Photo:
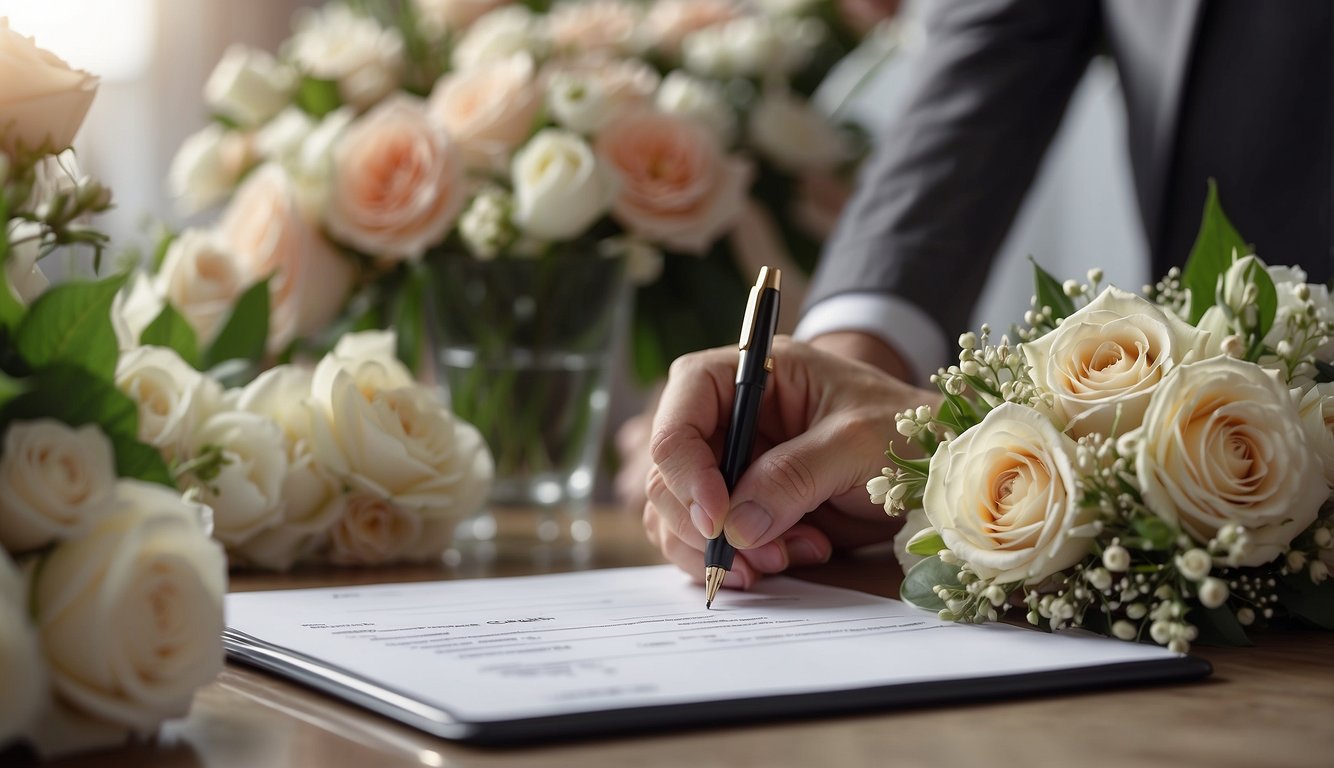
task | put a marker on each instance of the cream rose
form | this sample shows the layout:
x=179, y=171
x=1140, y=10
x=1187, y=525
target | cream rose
x=795, y=136
x=1102, y=364
x=489, y=110
x=42, y=99
x=208, y=165
x=1317, y=413
x=24, y=693
x=605, y=26
x=373, y=531
x=499, y=35
x=439, y=16
x=202, y=281
x=172, y=397
x=398, y=182
x=670, y=21
x=382, y=433
x=336, y=43
x=751, y=46
x=312, y=497
x=676, y=187
x=585, y=93
x=25, y=277
x=249, y=86
x=130, y=615
x=1004, y=497
x=560, y=188
x=244, y=487
x=55, y=481
x=135, y=305
x=698, y=99
x=267, y=232
x=1222, y=443
x=283, y=137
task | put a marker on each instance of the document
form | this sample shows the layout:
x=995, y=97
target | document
x=546, y=656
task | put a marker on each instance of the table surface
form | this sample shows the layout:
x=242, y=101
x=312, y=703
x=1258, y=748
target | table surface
x=1269, y=705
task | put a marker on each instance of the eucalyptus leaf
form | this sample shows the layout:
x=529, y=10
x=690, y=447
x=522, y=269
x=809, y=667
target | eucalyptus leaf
x=1211, y=255
x=70, y=324
x=1312, y=602
x=1218, y=626
x=918, y=588
x=245, y=333
x=1050, y=292
x=171, y=329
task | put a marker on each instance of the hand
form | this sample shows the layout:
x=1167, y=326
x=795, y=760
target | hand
x=824, y=425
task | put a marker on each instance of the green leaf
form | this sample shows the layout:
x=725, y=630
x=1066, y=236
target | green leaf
x=170, y=329
x=915, y=466
x=1266, y=300
x=140, y=461
x=1211, y=255
x=1313, y=602
x=926, y=542
x=1050, y=293
x=918, y=588
x=1157, y=533
x=10, y=308
x=318, y=97
x=11, y=388
x=409, y=319
x=246, y=331
x=71, y=324
x=1218, y=626
x=76, y=397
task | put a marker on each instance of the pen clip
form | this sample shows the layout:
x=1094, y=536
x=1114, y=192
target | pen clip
x=768, y=279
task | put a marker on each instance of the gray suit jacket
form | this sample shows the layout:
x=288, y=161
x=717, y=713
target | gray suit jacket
x=1235, y=89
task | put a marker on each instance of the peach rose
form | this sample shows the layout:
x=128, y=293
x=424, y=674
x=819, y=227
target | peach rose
x=202, y=281
x=677, y=187
x=596, y=25
x=269, y=235
x=670, y=21
x=398, y=182
x=488, y=110
x=440, y=16
x=42, y=99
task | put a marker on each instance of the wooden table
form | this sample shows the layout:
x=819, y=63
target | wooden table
x=1271, y=705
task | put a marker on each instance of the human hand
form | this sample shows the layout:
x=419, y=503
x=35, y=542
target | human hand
x=823, y=427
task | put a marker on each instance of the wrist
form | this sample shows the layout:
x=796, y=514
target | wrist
x=866, y=348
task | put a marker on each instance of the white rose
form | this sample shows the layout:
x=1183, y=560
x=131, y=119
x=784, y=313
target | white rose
x=135, y=305
x=440, y=16
x=42, y=99
x=576, y=101
x=130, y=614
x=373, y=531
x=751, y=46
x=202, y=281
x=1317, y=413
x=560, y=188
x=703, y=101
x=24, y=693
x=173, y=398
x=311, y=166
x=248, y=86
x=55, y=481
x=25, y=277
x=382, y=433
x=245, y=488
x=1215, y=323
x=312, y=497
x=501, y=34
x=489, y=109
x=1004, y=497
x=1222, y=443
x=795, y=136
x=208, y=166
x=282, y=137
x=1235, y=280
x=339, y=44
x=1102, y=364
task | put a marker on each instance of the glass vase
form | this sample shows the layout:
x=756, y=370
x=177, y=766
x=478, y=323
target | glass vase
x=525, y=347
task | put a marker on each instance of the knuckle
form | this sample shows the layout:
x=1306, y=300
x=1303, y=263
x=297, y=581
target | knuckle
x=664, y=443
x=791, y=475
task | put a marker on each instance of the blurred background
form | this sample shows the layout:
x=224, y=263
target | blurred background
x=154, y=55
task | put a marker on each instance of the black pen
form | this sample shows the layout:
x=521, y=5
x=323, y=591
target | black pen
x=757, y=340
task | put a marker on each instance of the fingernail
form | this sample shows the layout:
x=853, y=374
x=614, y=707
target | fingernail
x=701, y=520
x=804, y=552
x=747, y=523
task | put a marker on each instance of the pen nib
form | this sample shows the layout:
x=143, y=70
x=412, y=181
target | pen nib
x=713, y=580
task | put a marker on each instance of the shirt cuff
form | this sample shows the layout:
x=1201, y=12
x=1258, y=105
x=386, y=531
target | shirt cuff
x=910, y=331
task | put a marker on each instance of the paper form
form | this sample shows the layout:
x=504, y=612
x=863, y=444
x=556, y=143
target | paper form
x=498, y=649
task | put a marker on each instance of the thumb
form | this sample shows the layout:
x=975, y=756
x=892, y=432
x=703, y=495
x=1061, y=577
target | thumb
x=786, y=482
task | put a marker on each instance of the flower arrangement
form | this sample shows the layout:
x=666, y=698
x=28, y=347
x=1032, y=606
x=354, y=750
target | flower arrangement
x=1151, y=467
x=386, y=137
x=128, y=477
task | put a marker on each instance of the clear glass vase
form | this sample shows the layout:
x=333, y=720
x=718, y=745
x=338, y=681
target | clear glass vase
x=525, y=347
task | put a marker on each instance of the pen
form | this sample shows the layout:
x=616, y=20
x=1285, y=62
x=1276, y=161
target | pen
x=757, y=339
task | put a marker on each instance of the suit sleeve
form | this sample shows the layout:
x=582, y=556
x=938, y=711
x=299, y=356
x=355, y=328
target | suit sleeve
x=948, y=175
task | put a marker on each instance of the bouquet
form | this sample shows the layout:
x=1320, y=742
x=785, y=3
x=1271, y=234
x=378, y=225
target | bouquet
x=1153, y=466
x=386, y=138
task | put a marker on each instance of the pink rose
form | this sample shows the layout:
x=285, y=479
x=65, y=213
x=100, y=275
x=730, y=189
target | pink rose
x=677, y=187
x=670, y=21
x=42, y=99
x=398, y=182
x=489, y=110
x=595, y=25
x=270, y=236
x=453, y=15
